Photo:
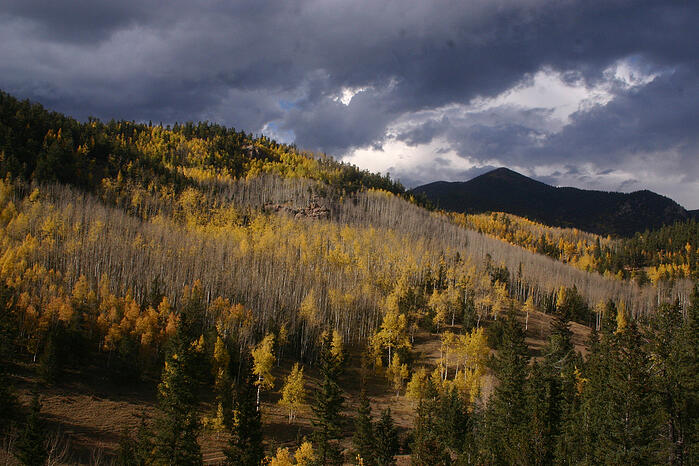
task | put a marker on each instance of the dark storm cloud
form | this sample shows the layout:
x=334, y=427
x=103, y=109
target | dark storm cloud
x=256, y=63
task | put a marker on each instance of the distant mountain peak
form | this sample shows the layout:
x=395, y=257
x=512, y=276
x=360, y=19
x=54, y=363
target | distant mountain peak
x=505, y=190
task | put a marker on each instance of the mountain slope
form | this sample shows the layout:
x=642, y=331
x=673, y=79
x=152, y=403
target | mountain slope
x=503, y=190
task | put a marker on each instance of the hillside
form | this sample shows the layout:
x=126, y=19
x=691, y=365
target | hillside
x=605, y=213
x=178, y=275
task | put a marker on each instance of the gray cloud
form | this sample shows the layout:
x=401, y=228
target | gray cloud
x=253, y=63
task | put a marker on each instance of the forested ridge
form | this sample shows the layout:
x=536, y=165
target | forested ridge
x=664, y=254
x=213, y=261
x=601, y=212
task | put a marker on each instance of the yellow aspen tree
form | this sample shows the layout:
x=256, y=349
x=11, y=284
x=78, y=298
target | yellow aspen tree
x=599, y=313
x=397, y=374
x=263, y=360
x=305, y=455
x=392, y=335
x=621, y=318
x=449, y=341
x=282, y=340
x=477, y=353
x=417, y=387
x=282, y=458
x=502, y=300
x=561, y=298
x=337, y=347
x=439, y=304
x=221, y=361
x=529, y=306
x=293, y=393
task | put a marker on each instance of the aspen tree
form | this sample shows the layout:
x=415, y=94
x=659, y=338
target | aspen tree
x=282, y=458
x=293, y=392
x=393, y=335
x=417, y=387
x=263, y=357
x=305, y=455
x=528, y=307
x=397, y=374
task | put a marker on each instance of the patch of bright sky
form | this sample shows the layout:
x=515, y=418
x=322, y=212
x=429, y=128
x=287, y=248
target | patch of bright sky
x=272, y=131
x=347, y=94
x=546, y=89
x=396, y=157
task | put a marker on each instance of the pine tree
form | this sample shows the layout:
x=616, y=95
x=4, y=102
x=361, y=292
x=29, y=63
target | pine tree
x=690, y=351
x=9, y=326
x=630, y=414
x=328, y=405
x=364, y=439
x=551, y=391
x=136, y=451
x=30, y=447
x=452, y=419
x=505, y=434
x=177, y=426
x=386, y=440
x=245, y=445
x=427, y=449
x=674, y=356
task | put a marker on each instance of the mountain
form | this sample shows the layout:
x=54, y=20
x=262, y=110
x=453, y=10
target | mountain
x=504, y=190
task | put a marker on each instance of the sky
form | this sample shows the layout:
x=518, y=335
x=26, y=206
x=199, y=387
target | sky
x=596, y=94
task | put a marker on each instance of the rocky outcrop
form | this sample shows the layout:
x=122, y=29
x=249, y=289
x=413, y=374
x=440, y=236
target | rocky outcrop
x=314, y=210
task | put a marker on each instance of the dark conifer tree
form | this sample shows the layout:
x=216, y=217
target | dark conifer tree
x=177, y=426
x=328, y=405
x=674, y=347
x=363, y=439
x=386, y=443
x=551, y=390
x=690, y=351
x=136, y=451
x=427, y=448
x=504, y=431
x=452, y=423
x=630, y=409
x=9, y=327
x=245, y=445
x=31, y=444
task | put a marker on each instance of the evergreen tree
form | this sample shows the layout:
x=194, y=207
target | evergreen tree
x=452, y=423
x=551, y=391
x=245, y=445
x=670, y=377
x=364, y=439
x=328, y=405
x=136, y=451
x=630, y=413
x=30, y=447
x=9, y=327
x=690, y=359
x=177, y=426
x=427, y=449
x=505, y=423
x=386, y=440
x=49, y=364
x=674, y=352
x=582, y=424
x=617, y=419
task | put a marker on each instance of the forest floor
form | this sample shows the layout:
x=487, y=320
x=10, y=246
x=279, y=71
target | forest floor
x=91, y=414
